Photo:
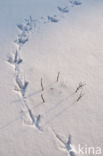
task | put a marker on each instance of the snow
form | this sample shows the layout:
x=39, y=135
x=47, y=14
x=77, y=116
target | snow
x=41, y=116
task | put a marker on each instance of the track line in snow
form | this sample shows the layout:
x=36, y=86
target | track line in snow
x=22, y=38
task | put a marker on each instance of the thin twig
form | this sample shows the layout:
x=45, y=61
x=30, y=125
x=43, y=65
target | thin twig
x=58, y=76
x=79, y=87
x=42, y=98
x=80, y=96
x=42, y=84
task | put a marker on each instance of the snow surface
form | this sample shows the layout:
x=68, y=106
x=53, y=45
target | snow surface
x=51, y=74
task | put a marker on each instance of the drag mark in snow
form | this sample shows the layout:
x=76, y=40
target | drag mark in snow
x=31, y=116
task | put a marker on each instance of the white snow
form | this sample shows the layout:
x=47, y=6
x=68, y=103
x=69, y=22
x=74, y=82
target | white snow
x=38, y=40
